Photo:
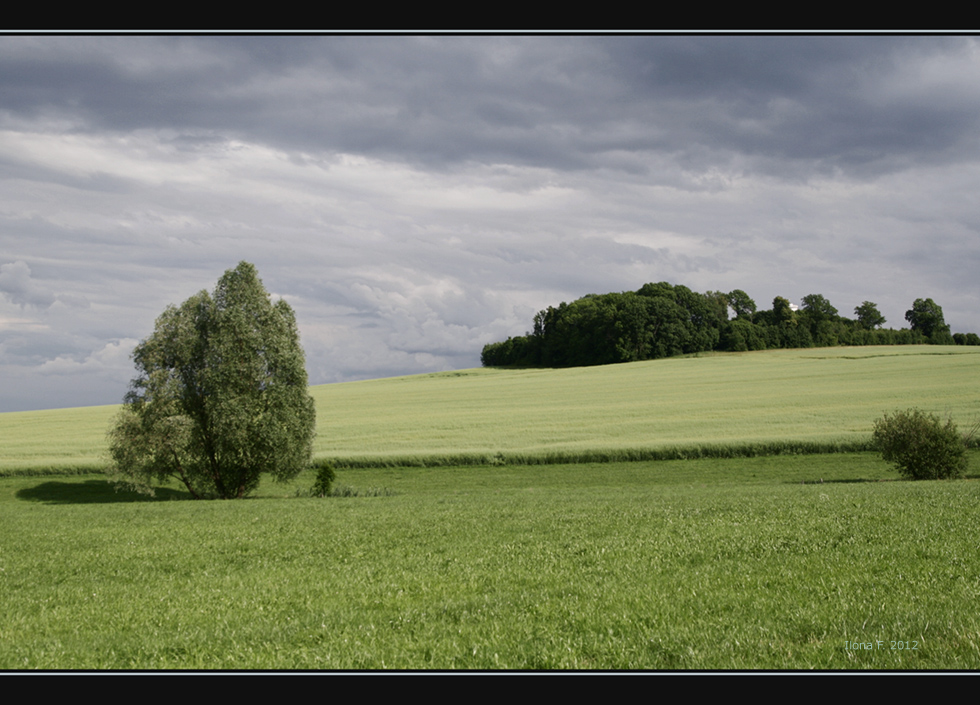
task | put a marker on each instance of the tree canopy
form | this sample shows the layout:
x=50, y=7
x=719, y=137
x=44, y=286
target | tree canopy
x=220, y=395
x=741, y=303
x=926, y=316
x=661, y=320
x=869, y=316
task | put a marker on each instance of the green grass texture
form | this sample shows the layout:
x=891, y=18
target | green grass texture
x=788, y=562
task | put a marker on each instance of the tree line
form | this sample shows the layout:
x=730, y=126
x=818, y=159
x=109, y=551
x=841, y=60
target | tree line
x=662, y=320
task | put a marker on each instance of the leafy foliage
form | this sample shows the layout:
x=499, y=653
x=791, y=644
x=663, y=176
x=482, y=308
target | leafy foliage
x=816, y=306
x=966, y=338
x=741, y=303
x=220, y=396
x=325, y=476
x=920, y=445
x=663, y=320
x=926, y=316
x=868, y=316
x=659, y=320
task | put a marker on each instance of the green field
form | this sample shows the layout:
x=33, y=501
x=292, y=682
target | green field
x=722, y=564
x=786, y=561
x=824, y=397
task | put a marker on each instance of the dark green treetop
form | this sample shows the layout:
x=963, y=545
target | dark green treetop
x=926, y=316
x=869, y=316
x=817, y=307
x=741, y=303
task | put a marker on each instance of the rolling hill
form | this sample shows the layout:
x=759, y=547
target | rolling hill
x=816, y=398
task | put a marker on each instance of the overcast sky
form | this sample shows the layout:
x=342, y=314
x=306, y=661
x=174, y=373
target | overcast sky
x=414, y=198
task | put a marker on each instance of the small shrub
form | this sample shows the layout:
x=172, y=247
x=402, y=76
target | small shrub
x=920, y=445
x=325, y=476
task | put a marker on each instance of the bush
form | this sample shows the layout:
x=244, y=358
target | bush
x=325, y=476
x=920, y=445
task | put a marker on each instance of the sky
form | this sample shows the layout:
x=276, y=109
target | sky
x=414, y=198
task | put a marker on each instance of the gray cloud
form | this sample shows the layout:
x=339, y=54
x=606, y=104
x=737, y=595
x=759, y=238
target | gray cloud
x=416, y=197
x=868, y=103
x=16, y=283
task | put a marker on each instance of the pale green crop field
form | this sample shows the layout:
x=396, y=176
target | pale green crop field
x=818, y=395
x=822, y=396
x=56, y=439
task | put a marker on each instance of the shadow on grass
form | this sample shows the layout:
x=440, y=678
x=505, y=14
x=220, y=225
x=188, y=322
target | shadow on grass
x=965, y=476
x=840, y=481
x=91, y=492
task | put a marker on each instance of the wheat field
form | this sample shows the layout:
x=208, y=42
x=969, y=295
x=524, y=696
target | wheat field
x=825, y=397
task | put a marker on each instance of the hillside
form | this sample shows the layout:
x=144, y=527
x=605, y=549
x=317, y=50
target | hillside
x=821, y=396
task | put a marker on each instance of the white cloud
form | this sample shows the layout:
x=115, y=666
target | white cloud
x=112, y=360
x=13, y=324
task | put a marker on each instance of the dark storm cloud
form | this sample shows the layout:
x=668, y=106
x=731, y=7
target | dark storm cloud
x=560, y=102
x=845, y=102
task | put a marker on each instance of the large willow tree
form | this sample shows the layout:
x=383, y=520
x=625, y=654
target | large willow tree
x=220, y=396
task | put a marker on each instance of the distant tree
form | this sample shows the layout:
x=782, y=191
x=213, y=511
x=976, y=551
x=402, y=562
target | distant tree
x=926, y=317
x=868, y=316
x=703, y=319
x=680, y=320
x=966, y=339
x=633, y=333
x=517, y=351
x=740, y=334
x=741, y=304
x=669, y=327
x=663, y=289
x=220, y=396
x=821, y=320
x=718, y=302
x=782, y=312
x=817, y=307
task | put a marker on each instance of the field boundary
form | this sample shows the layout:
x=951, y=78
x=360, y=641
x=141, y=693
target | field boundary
x=53, y=470
x=500, y=458
x=611, y=455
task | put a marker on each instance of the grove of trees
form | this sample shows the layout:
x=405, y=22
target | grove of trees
x=661, y=320
x=220, y=395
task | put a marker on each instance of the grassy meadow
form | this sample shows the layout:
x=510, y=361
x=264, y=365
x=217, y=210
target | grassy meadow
x=787, y=561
